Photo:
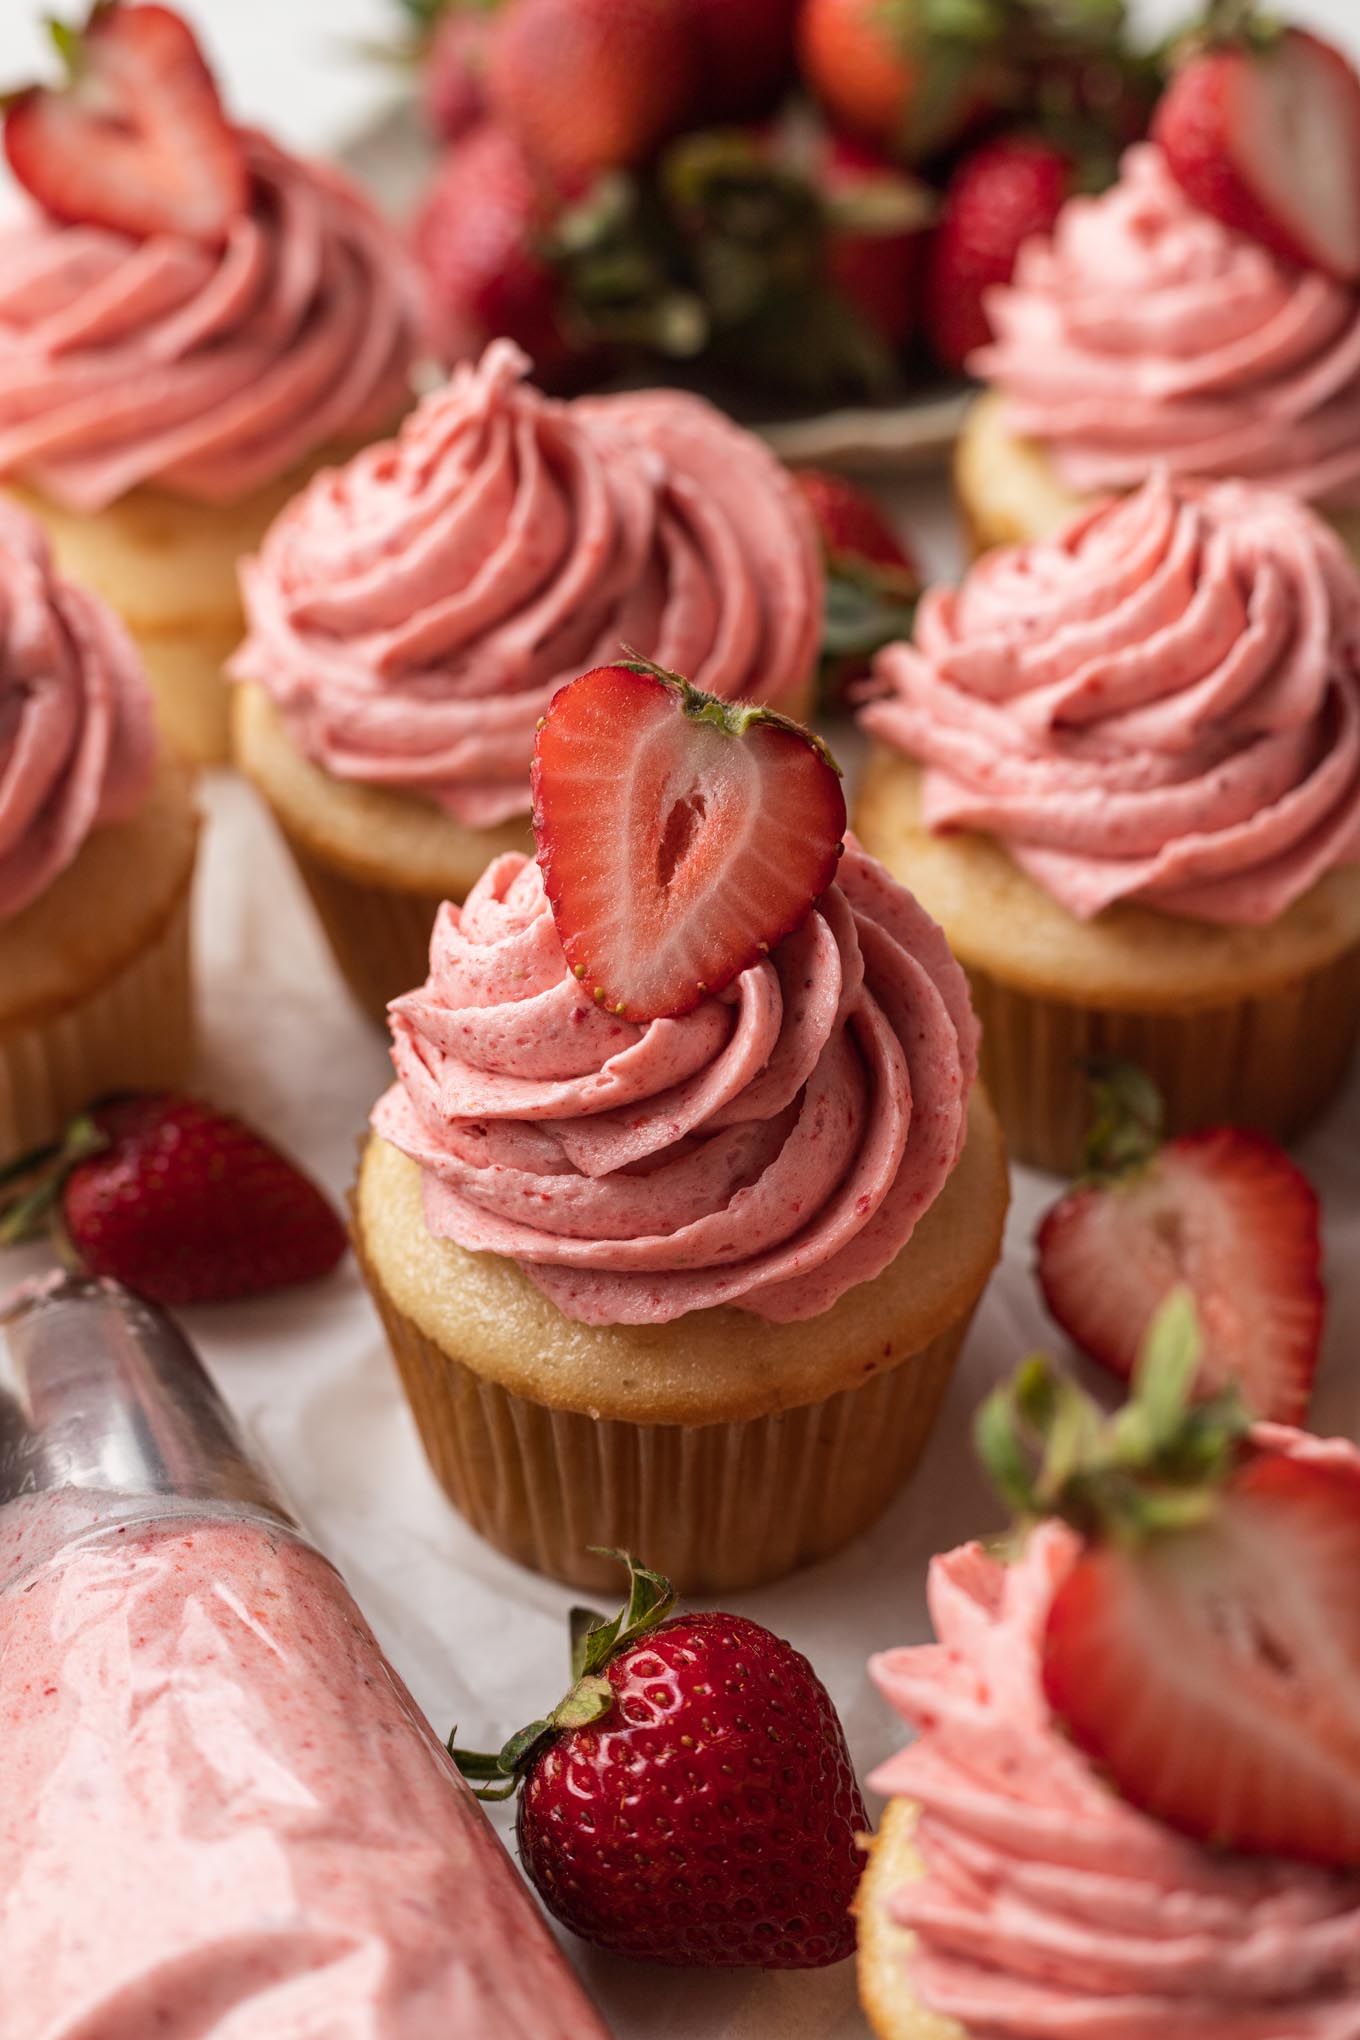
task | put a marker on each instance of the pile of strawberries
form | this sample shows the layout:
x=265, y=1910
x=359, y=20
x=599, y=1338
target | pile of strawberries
x=811, y=195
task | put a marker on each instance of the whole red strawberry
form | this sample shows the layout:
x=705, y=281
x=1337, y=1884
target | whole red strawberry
x=872, y=582
x=745, y=57
x=590, y=85
x=680, y=836
x=897, y=73
x=692, y=1799
x=1202, y=1647
x=180, y=1201
x=877, y=218
x=478, y=238
x=1226, y=1213
x=1263, y=131
x=135, y=139
x=998, y=197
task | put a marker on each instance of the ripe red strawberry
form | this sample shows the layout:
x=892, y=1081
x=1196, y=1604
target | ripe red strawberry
x=1204, y=1648
x=997, y=198
x=877, y=242
x=478, y=239
x=1267, y=139
x=894, y=73
x=872, y=582
x=136, y=138
x=591, y=85
x=692, y=1800
x=1226, y=1213
x=453, y=81
x=745, y=57
x=680, y=836
x=182, y=1202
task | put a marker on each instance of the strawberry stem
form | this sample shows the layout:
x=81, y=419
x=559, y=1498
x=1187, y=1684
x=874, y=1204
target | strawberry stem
x=733, y=718
x=36, y=1181
x=1156, y=1465
x=1126, y=1129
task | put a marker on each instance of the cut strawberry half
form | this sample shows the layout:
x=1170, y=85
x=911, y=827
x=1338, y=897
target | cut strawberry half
x=1203, y=1646
x=136, y=138
x=1267, y=139
x=680, y=836
x=1226, y=1213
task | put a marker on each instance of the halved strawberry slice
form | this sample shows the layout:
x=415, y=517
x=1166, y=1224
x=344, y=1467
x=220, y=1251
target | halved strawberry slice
x=136, y=138
x=1203, y=1649
x=680, y=836
x=1226, y=1212
x=1265, y=136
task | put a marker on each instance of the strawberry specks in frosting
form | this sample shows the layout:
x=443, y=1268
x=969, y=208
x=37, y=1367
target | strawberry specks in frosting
x=1143, y=330
x=1050, y=1909
x=77, y=741
x=414, y=614
x=770, y=1149
x=209, y=372
x=1162, y=704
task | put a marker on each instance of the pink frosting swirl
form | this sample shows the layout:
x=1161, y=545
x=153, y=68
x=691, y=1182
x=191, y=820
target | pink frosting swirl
x=1050, y=1908
x=77, y=740
x=414, y=614
x=1144, y=331
x=1162, y=704
x=208, y=372
x=770, y=1149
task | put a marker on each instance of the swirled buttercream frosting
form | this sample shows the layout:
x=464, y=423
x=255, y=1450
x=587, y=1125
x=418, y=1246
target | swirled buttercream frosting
x=1162, y=704
x=1143, y=330
x=77, y=742
x=208, y=371
x=413, y=613
x=769, y=1150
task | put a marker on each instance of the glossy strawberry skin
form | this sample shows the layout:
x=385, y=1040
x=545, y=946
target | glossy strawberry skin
x=850, y=521
x=710, y=1818
x=1213, y=1673
x=453, y=83
x=137, y=140
x=870, y=63
x=591, y=85
x=189, y=1205
x=999, y=197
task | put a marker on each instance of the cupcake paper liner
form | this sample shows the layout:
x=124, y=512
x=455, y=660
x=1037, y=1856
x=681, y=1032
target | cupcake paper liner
x=134, y=1031
x=1272, y=1060
x=379, y=935
x=715, y=1507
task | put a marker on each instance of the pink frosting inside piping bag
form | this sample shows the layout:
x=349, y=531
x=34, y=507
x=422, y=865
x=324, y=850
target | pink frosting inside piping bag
x=206, y=372
x=1162, y=704
x=770, y=1149
x=77, y=740
x=1142, y=330
x=414, y=613
x=1050, y=1908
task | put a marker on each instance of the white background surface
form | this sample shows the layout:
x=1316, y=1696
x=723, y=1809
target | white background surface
x=482, y=1643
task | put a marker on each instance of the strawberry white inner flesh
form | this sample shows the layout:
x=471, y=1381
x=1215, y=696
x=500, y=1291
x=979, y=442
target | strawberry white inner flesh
x=1297, y=127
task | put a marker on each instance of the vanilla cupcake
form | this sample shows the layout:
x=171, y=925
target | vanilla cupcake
x=1012, y=1894
x=97, y=839
x=1145, y=333
x=693, y=1287
x=161, y=397
x=1122, y=769
x=412, y=616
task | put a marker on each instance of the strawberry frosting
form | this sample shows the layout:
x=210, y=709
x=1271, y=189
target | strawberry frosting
x=769, y=1150
x=1143, y=330
x=1162, y=704
x=1050, y=1909
x=206, y=371
x=414, y=613
x=77, y=740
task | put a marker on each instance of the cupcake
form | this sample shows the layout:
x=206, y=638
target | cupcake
x=412, y=616
x=691, y=1286
x=177, y=353
x=97, y=838
x=1122, y=769
x=1204, y=1879
x=1145, y=333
